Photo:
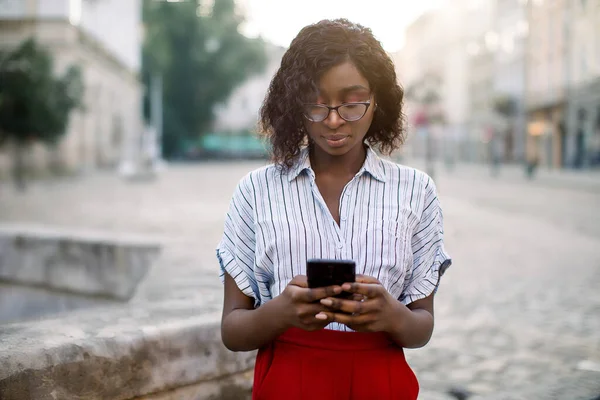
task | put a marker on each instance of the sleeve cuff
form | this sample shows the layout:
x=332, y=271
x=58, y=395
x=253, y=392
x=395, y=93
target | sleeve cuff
x=428, y=283
x=228, y=264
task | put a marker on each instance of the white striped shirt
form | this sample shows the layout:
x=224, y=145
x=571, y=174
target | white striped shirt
x=391, y=225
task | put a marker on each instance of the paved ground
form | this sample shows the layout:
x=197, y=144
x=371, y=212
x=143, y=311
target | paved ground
x=517, y=315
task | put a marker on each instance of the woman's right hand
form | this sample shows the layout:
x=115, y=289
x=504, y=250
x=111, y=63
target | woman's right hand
x=301, y=304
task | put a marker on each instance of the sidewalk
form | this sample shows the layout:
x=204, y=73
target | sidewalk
x=587, y=180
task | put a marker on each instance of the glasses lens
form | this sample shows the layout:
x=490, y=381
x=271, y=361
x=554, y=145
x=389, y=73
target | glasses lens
x=316, y=113
x=352, y=112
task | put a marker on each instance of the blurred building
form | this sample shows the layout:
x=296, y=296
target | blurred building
x=240, y=113
x=104, y=38
x=455, y=77
x=583, y=119
x=508, y=40
x=481, y=45
x=547, y=80
x=455, y=45
x=420, y=63
x=542, y=57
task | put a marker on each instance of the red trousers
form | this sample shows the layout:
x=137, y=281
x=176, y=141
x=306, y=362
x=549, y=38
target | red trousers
x=333, y=365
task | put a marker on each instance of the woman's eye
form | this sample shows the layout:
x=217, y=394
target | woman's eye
x=354, y=100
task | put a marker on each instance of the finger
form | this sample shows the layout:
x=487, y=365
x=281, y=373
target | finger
x=366, y=289
x=300, y=280
x=316, y=294
x=322, y=316
x=348, y=319
x=348, y=306
x=311, y=309
x=314, y=315
x=367, y=279
x=357, y=297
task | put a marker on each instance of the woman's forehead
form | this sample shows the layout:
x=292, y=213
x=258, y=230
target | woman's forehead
x=342, y=79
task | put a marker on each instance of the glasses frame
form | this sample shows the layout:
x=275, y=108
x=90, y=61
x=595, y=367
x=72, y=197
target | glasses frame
x=329, y=109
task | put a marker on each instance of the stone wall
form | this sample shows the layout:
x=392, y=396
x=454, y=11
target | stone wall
x=80, y=262
x=103, y=347
x=153, y=351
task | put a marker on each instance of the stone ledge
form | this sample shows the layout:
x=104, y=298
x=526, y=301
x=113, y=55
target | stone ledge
x=81, y=235
x=236, y=387
x=116, y=354
x=85, y=262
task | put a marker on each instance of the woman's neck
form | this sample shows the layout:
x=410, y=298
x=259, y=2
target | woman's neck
x=344, y=165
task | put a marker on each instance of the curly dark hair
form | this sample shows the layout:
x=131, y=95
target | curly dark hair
x=316, y=49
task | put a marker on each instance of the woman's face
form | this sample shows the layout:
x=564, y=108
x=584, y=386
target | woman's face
x=340, y=85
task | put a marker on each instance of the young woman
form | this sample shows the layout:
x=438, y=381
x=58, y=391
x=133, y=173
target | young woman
x=328, y=195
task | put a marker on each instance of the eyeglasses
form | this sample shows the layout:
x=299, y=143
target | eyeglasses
x=348, y=111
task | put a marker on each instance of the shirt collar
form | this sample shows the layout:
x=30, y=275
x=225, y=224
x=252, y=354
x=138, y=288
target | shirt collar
x=372, y=165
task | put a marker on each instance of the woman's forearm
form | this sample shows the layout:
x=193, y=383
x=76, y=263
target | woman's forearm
x=413, y=328
x=246, y=330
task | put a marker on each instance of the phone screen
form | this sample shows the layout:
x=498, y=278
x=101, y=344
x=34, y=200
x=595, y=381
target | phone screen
x=322, y=272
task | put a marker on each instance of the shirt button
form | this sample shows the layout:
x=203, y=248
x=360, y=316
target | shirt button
x=343, y=218
x=340, y=246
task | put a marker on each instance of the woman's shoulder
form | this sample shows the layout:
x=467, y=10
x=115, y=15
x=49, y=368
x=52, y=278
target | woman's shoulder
x=260, y=175
x=405, y=175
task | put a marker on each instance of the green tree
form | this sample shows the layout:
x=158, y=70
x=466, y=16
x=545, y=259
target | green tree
x=35, y=105
x=201, y=56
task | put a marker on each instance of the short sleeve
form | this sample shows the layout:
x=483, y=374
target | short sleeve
x=430, y=259
x=236, y=250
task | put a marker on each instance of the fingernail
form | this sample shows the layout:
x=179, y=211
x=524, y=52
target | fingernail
x=337, y=290
x=321, y=316
x=346, y=286
x=327, y=302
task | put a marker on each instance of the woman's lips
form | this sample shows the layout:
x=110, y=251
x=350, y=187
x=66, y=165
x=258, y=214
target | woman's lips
x=336, y=140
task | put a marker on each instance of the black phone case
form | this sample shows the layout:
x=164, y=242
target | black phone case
x=321, y=273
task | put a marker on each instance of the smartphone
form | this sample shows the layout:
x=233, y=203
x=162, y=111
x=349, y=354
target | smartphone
x=323, y=272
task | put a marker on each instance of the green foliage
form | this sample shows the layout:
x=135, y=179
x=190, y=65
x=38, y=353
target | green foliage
x=34, y=104
x=202, y=57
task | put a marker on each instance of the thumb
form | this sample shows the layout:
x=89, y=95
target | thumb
x=299, y=280
x=367, y=279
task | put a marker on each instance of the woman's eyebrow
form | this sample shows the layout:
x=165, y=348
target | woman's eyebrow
x=353, y=88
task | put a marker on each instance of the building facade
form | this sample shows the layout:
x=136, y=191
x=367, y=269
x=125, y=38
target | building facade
x=455, y=102
x=583, y=115
x=481, y=46
x=421, y=63
x=457, y=44
x=511, y=30
x=104, y=38
x=547, y=81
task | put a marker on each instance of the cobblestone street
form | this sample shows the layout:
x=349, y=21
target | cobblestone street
x=517, y=315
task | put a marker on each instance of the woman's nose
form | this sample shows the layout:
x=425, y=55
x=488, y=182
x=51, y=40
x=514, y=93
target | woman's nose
x=334, y=120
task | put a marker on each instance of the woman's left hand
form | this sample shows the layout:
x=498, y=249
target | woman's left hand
x=377, y=312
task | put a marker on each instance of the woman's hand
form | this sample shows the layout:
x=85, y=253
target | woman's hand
x=300, y=305
x=372, y=308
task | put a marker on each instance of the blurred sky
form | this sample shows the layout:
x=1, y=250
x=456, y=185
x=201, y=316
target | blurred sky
x=278, y=21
